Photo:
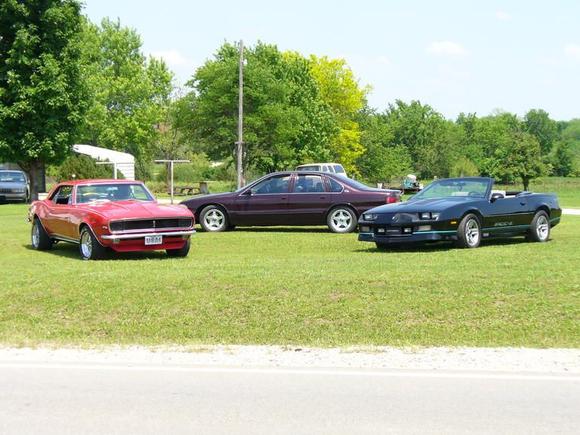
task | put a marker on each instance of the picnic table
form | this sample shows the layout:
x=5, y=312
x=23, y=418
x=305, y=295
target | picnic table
x=200, y=187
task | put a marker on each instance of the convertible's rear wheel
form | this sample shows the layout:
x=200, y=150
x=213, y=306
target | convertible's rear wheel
x=469, y=232
x=213, y=219
x=341, y=220
x=89, y=246
x=39, y=238
x=540, y=227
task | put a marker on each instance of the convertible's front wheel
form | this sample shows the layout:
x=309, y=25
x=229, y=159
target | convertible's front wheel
x=469, y=232
x=540, y=227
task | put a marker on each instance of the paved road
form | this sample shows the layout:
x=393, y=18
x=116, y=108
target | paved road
x=90, y=398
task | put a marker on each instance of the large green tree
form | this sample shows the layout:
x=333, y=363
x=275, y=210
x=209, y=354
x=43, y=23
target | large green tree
x=285, y=120
x=42, y=96
x=340, y=90
x=538, y=123
x=130, y=93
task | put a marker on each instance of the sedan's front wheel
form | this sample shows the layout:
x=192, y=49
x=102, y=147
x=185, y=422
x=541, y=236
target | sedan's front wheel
x=341, y=220
x=469, y=232
x=213, y=219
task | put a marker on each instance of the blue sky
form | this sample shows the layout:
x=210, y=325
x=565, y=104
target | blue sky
x=457, y=56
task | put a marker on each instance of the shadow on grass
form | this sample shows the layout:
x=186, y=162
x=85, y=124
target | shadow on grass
x=69, y=250
x=282, y=230
x=442, y=246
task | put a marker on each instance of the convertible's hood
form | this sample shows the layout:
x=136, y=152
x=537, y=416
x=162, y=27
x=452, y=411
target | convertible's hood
x=136, y=210
x=422, y=205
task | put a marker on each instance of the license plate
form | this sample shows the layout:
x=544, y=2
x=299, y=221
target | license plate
x=153, y=240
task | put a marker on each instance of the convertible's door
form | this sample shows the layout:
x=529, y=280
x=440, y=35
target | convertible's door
x=508, y=215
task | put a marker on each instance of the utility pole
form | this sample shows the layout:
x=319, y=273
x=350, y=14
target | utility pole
x=240, y=142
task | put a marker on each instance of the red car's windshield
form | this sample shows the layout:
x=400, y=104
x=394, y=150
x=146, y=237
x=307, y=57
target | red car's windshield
x=113, y=192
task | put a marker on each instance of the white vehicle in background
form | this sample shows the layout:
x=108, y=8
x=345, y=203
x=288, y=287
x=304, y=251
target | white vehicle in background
x=333, y=168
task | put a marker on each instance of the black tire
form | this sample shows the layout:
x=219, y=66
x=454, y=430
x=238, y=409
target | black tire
x=469, y=232
x=341, y=219
x=540, y=228
x=89, y=246
x=181, y=252
x=213, y=219
x=39, y=237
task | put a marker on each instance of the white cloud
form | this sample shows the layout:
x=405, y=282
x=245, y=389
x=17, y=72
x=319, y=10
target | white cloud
x=503, y=15
x=172, y=57
x=572, y=50
x=446, y=48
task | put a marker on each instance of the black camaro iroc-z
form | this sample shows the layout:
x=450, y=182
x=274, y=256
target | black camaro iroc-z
x=463, y=210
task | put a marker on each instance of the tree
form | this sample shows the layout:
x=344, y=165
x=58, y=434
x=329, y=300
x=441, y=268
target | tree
x=340, y=91
x=538, y=123
x=130, y=93
x=42, y=97
x=382, y=160
x=520, y=158
x=285, y=121
x=424, y=132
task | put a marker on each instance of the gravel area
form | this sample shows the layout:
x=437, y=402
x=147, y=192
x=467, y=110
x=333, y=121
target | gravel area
x=440, y=358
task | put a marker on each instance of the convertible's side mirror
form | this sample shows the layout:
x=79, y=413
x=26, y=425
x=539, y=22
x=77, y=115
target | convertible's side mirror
x=495, y=197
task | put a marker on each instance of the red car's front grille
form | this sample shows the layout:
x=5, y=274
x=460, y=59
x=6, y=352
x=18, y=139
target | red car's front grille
x=150, y=224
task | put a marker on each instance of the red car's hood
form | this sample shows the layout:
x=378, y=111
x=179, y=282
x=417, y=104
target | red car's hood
x=136, y=210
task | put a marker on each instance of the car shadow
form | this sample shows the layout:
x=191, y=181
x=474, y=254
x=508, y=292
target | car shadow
x=443, y=246
x=68, y=250
x=282, y=230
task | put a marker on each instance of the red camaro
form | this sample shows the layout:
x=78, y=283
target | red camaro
x=99, y=215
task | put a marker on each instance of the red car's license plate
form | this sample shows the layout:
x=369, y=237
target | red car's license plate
x=153, y=240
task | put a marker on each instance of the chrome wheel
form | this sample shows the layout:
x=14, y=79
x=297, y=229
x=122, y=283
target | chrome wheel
x=542, y=227
x=35, y=235
x=472, y=232
x=341, y=221
x=86, y=245
x=214, y=220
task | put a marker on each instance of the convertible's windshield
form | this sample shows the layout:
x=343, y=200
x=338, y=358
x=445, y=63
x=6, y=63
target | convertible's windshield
x=113, y=192
x=476, y=188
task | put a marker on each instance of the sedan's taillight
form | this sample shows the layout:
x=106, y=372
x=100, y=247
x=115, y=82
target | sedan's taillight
x=392, y=198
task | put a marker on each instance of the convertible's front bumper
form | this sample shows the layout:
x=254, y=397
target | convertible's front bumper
x=423, y=236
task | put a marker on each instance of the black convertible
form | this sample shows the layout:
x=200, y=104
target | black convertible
x=463, y=210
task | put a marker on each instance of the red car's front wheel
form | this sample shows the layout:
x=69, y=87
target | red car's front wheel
x=89, y=246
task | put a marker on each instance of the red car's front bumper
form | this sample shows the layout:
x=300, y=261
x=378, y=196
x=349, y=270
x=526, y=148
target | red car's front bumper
x=136, y=241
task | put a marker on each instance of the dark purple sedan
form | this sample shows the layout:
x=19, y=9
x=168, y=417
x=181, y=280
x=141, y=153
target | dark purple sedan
x=291, y=198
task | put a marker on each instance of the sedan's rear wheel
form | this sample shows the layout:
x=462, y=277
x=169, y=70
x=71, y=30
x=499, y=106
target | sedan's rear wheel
x=469, y=232
x=39, y=238
x=89, y=246
x=341, y=220
x=213, y=219
x=540, y=227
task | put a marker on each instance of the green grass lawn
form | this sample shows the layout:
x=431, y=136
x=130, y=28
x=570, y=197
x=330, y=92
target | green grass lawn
x=292, y=286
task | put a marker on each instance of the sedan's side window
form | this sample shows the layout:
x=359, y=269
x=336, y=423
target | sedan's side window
x=279, y=184
x=308, y=184
x=335, y=186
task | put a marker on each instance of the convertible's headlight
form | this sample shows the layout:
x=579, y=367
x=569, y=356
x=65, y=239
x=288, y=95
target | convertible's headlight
x=427, y=216
x=370, y=216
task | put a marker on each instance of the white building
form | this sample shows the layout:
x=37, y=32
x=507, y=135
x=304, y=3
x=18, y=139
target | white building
x=122, y=162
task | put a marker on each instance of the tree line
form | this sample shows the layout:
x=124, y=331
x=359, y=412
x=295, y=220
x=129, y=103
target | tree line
x=65, y=80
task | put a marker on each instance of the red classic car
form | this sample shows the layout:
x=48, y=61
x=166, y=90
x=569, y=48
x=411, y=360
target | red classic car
x=100, y=215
